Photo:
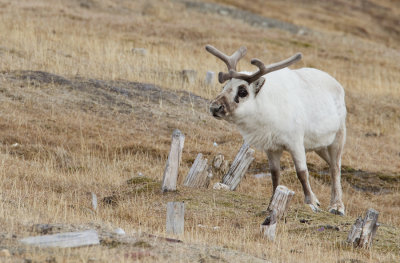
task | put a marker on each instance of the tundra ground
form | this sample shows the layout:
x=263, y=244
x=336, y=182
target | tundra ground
x=82, y=111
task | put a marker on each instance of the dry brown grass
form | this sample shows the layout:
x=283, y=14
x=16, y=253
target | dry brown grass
x=72, y=141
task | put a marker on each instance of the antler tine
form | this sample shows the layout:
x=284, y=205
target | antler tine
x=276, y=66
x=264, y=69
x=230, y=61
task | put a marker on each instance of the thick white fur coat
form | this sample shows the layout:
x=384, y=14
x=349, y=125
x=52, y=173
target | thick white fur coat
x=304, y=106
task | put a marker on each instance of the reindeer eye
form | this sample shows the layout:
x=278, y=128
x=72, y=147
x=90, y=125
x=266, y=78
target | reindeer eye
x=242, y=92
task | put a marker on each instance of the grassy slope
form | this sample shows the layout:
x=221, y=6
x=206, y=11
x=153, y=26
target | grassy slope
x=75, y=138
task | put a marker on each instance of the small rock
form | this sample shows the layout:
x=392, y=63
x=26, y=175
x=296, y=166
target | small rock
x=201, y=226
x=15, y=145
x=262, y=175
x=140, y=174
x=218, y=160
x=216, y=227
x=210, y=174
x=219, y=186
x=119, y=231
x=223, y=12
x=5, y=253
x=139, y=51
x=301, y=32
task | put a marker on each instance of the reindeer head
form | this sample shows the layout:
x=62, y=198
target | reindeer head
x=241, y=88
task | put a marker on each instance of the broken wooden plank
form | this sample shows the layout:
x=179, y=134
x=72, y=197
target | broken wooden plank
x=220, y=166
x=64, y=240
x=218, y=161
x=175, y=218
x=363, y=231
x=199, y=174
x=369, y=228
x=239, y=167
x=276, y=210
x=280, y=201
x=268, y=227
x=355, y=231
x=174, y=158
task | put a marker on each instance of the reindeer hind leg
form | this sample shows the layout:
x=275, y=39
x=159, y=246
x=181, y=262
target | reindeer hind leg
x=335, y=155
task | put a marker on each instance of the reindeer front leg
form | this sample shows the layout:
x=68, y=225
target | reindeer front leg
x=274, y=162
x=299, y=157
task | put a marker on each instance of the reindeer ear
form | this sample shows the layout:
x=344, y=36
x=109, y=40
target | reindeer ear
x=258, y=85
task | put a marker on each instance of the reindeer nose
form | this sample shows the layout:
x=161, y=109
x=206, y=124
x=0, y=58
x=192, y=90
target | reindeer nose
x=216, y=108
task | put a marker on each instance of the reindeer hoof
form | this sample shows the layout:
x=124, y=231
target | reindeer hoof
x=313, y=203
x=315, y=208
x=337, y=211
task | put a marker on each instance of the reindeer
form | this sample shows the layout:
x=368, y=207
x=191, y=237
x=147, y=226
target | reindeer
x=277, y=109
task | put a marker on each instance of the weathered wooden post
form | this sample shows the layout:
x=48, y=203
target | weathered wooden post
x=94, y=201
x=189, y=75
x=364, y=230
x=218, y=161
x=209, y=78
x=239, y=167
x=174, y=158
x=175, y=218
x=276, y=210
x=220, y=164
x=199, y=174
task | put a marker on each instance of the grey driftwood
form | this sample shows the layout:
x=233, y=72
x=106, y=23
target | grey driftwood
x=174, y=159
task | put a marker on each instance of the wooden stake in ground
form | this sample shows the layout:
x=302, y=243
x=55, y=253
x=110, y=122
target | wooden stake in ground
x=175, y=218
x=364, y=230
x=199, y=174
x=174, y=158
x=276, y=210
x=239, y=167
x=94, y=201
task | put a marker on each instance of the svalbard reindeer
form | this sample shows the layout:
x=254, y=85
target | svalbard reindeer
x=277, y=109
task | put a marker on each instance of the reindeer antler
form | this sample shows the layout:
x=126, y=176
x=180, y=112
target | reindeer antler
x=262, y=69
x=232, y=60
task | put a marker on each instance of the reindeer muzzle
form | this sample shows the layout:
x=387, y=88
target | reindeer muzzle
x=217, y=110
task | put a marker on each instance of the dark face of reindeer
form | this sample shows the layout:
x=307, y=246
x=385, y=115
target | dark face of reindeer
x=241, y=88
x=235, y=93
